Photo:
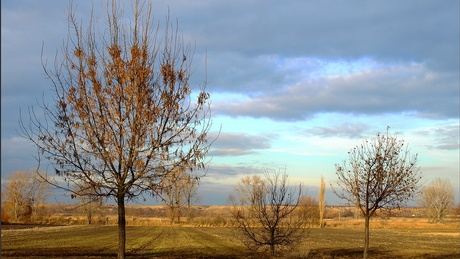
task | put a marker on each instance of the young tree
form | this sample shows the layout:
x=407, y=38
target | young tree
x=309, y=210
x=125, y=116
x=179, y=189
x=90, y=201
x=39, y=192
x=190, y=194
x=438, y=198
x=322, y=202
x=263, y=211
x=380, y=173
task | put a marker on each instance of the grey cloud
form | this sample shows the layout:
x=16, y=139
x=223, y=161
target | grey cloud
x=411, y=30
x=410, y=88
x=424, y=32
x=17, y=154
x=353, y=130
x=224, y=171
x=446, y=138
x=236, y=144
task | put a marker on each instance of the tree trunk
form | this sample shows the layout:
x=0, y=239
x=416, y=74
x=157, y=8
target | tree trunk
x=88, y=216
x=272, y=242
x=16, y=212
x=121, y=228
x=172, y=214
x=272, y=249
x=438, y=215
x=366, y=236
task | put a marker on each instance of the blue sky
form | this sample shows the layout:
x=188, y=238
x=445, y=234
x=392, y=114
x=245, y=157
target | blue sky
x=294, y=84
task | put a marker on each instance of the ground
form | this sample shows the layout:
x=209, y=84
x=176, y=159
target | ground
x=390, y=238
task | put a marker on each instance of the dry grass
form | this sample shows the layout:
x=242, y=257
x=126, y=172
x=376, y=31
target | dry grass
x=394, y=223
x=150, y=235
x=220, y=242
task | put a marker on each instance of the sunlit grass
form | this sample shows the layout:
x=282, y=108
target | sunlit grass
x=221, y=242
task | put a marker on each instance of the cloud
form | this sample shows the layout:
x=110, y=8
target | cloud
x=238, y=144
x=445, y=138
x=14, y=155
x=352, y=130
x=411, y=30
x=391, y=89
x=225, y=171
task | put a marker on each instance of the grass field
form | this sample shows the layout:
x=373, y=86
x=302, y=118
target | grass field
x=221, y=242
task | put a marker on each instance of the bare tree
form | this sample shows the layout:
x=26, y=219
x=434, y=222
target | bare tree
x=309, y=210
x=380, y=173
x=17, y=196
x=438, y=198
x=25, y=194
x=39, y=191
x=90, y=201
x=124, y=115
x=263, y=211
x=190, y=193
x=179, y=189
x=322, y=202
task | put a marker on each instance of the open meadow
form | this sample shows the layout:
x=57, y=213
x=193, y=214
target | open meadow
x=221, y=242
x=390, y=238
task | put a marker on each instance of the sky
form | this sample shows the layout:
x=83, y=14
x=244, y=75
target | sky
x=294, y=84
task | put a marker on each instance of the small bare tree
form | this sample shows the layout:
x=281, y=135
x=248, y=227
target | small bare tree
x=322, y=202
x=178, y=192
x=90, y=201
x=380, y=173
x=190, y=193
x=309, y=210
x=40, y=190
x=438, y=198
x=25, y=194
x=263, y=211
x=124, y=115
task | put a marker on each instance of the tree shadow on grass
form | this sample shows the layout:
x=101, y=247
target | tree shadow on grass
x=348, y=253
x=189, y=254
x=67, y=252
x=373, y=253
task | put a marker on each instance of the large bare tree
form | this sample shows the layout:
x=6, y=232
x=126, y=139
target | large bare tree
x=380, y=173
x=263, y=211
x=124, y=114
x=438, y=198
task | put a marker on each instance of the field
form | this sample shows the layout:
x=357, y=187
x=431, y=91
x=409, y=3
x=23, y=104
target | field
x=64, y=233
x=89, y=241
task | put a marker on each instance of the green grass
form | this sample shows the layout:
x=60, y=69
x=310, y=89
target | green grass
x=193, y=242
